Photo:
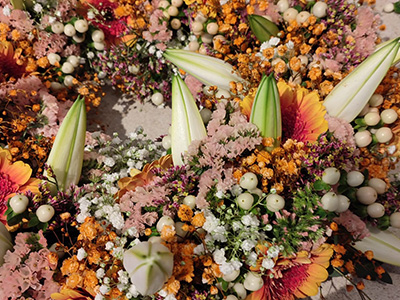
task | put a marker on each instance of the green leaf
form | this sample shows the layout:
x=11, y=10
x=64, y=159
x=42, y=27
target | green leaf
x=319, y=185
x=262, y=28
x=397, y=7
x=34, y=221
x=15, y=219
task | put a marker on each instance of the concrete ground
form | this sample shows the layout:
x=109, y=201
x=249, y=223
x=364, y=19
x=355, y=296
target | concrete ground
x=118, y=114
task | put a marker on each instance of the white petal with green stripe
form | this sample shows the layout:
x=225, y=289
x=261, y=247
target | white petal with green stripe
x=5, y=242
x=209, y=70
x=266, y=109
x=66, y=156
x=349, y=97
x=187, y=124
x=149, y=266
x=384, y=245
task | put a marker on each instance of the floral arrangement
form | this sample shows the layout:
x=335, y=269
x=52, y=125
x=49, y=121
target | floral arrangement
x=280, y=168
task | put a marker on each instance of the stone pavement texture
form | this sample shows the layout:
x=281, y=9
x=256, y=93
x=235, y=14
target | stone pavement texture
x=119, y=114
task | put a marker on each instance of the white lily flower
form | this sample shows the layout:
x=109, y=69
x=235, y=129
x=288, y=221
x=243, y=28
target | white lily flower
x=187, y=124
x=209, y=70
x=384, y=245
x=149, y=265
x=349, y=97
x=66, y=156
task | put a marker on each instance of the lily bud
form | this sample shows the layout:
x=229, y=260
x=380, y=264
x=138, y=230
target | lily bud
x=5, y=242
x=262, y=28
x=266, y=110
x=350, y=96
x=384, y=245
x=149, y=265
x=187, y=124
x=209, y=70
x=66, y=156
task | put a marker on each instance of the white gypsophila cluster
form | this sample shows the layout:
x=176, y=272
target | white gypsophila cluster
x=100, y=273
x=166, y=296
x=250, y=220
x=226, y=267
x=215, y=231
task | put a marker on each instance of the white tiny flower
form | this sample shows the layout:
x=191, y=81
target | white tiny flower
x=159, y=54
x=198, y=250
x=274, y=41
x=58, y=13
x=100, y=273
x=38, y=8
x=273, y=251
x=116, y=140
x=81, y=254
x=90, y=15
x=52, y=19
x=109, y=245
x=7, y=11
x=290, y=45
x=247, y=245
x=219, y=256
x=104, y=289
x=99, y=297
x=109, y=161
x=268, y=263
x=219, y=194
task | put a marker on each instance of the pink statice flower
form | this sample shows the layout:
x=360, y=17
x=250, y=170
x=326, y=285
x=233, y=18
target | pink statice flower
x=49, y=43
x=27, y=271
x=353, y=224
x=341, y=129
x=158, y=29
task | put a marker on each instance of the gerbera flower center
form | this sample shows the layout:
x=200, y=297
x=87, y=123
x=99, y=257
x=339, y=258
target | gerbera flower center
x=7, y=187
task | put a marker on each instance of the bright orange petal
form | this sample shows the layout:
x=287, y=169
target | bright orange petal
x=31, y=185
x=19, y=172
x=5, y=158
x=309, y=288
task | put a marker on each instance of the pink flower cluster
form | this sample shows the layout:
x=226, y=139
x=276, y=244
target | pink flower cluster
x=26, y=271
x=225, y=141
x=353, y=224
x=158, y=30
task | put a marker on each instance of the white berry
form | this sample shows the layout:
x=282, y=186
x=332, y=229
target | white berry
x=395, y=219
x=231, y=297
x=240, y=290
x=69, y=30
x=343, y=204
x=74, y=60
x=248, y=181
x=253, y=282
x=363, y=138
x=99, y=46
x=53, y=58
x=376, y=100
x=190, y=201
x=67, y=68
x=372, y=118
x=81, y=26
x=69, y=81
x=290, y=14
x=223, y=94
x=275, y=202
x=45, y=213
x=205, y=114
x=166, y=142
x=378, y=185
x=388, y=7
x=319, y=9
x=19, y=203
x=157, y=98
x=57, y=27
x=164, y=220
x=177, y=3
x=212, y=28
x=330, y=201
x=331, y=176
x=355, y=178
x=302, y=17
x=389, y=116
x=384, y=134
x=98, y=36
x=173, y=11
x=175, y=24
x=245, y=201
x=366, y=195
x=282, y=5
x=376, y=210
x=231, y=276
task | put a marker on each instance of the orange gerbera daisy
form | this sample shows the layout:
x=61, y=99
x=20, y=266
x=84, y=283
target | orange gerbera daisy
x=68, y=294
x=302, y=112
x=295, y=277
x=14, y=178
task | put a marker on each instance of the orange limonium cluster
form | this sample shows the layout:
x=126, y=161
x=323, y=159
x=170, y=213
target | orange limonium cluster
x=80, y=273
x=278, y=168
